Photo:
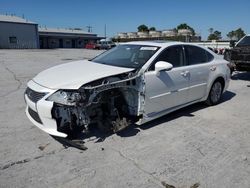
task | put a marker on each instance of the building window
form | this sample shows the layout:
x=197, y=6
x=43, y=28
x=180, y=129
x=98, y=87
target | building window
x=13, y=40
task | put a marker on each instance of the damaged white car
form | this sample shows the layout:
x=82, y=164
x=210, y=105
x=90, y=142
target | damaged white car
x=132, y=83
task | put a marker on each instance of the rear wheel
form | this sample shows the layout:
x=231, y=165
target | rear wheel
x=215, y=93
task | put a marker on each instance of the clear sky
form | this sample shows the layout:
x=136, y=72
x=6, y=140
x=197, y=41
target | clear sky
x=127, y=15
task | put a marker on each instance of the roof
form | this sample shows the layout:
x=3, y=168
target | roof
x=164, y=44
x=62, y=30
x=14, y=19
x=155, y=43
x=71, y=33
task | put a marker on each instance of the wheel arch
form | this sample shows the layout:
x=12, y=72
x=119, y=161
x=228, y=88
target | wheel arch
x=219, y=78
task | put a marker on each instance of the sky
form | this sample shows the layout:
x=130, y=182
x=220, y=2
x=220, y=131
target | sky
x=127, y=15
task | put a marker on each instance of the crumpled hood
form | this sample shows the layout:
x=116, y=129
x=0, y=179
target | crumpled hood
x=74, y=74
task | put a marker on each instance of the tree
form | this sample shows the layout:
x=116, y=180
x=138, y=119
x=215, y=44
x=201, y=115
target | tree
x=231, y=35
x=186, y=26
x=239, y=33
x=142, y=28
x=216, y=35
x=236, y=34
x=152, y=29
x=211, y=30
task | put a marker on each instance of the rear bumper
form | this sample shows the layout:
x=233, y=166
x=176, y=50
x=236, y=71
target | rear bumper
x=39, y=113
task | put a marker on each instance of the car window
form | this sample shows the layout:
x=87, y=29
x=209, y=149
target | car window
x=130, y=56
x=244, y=42
x=210, y=57
x=197, y=55
x=173, y=55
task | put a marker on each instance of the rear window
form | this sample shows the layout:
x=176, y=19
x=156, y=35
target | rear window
x=196, y=55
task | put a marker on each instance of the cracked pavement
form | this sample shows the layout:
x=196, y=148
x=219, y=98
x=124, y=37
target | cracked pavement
x=196, y=146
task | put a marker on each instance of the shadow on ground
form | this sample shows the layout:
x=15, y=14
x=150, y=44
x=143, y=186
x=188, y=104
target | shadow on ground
x=95, y=135
x=241, y=76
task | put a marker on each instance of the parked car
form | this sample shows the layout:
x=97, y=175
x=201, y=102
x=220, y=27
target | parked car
x=239, y=54
x=104, y=45
x=90, y=46
x=134, y=82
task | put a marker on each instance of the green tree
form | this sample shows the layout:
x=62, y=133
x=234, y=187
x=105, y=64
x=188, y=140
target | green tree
x=239, y=33
x=185, y=26
x=216, y=35
x=231, y=35
x=142, y=28
x=152, y=29
x=211, y=30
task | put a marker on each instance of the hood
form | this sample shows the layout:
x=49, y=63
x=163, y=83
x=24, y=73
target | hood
x=75, y=74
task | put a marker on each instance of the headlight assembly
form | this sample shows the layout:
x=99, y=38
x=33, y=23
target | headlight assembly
x=65, y=97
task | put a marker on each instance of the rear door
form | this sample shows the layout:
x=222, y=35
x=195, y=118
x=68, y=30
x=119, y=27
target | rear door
x=200, y=65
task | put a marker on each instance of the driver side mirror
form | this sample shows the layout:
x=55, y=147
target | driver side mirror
x=163, y=66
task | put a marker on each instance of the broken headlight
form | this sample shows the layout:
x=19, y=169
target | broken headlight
x=65, y=97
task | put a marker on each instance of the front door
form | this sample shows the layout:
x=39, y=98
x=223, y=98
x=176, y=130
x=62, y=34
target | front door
x=167, y=89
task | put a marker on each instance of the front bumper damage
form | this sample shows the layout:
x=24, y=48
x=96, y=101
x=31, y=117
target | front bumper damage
x=41, y=110
x=111, y=104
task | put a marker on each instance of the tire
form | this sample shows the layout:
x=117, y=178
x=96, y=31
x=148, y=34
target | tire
x=215, y=93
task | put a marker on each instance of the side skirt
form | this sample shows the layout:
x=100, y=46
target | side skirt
x=153, y=116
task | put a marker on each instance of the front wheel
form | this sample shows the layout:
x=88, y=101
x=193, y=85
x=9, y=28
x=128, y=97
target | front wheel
x=214, y=94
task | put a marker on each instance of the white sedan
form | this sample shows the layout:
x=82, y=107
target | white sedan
x=134, y=82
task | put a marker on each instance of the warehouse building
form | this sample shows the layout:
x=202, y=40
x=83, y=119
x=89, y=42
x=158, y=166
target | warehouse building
x=16, y=32
x=65, y=38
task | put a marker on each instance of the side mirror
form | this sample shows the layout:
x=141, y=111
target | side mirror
x=232, y=43
x=163, y=66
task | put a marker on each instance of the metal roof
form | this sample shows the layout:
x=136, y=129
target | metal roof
x=14, y=19
x=62, y=30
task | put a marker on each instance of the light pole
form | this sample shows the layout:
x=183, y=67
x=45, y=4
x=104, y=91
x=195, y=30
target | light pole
x=105, y=32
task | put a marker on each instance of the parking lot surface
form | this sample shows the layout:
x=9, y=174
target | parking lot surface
x=197, y=146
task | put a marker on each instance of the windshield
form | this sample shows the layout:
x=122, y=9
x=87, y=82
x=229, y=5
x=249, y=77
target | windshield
x=129, y=56
x=245, y=41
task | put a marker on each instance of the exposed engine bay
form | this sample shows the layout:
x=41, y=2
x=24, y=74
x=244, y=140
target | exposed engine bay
x=111, y=104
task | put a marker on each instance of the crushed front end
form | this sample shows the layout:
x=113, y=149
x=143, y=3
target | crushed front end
x=111, y=104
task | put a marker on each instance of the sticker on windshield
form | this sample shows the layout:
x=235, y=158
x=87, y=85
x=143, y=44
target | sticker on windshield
x=151, y=48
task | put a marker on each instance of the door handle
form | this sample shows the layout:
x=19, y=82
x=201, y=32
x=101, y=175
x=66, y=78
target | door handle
x=213, y=68
x=185, y=73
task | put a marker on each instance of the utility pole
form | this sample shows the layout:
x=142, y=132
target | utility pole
x=105, y=30
x=89, y=28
